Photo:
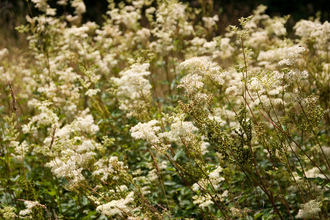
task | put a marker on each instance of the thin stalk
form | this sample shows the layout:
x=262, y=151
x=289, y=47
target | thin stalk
x=286, y=203
x=160, y=179
x=178, y=167
x=296, y=145
x=325, y=157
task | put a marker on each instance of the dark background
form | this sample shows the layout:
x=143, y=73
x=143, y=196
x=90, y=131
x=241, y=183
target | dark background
x=13, y=12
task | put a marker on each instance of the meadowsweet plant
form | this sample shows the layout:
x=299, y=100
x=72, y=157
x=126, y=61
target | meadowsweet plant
x=151, y=115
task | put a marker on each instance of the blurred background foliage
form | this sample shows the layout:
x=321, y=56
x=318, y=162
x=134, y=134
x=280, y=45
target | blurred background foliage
x=13, y=12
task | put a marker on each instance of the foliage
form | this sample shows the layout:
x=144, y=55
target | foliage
x=152, y=116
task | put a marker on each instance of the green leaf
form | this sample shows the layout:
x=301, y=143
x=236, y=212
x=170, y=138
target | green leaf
x=179, y=154
x=90, y=215
x=328, y=185
x=300, y=174
x=170, y=169
x=256, y=216
x=51, y=192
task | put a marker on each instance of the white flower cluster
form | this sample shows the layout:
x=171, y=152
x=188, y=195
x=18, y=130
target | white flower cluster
x=68, y=169
x=309, y=210
x=147, y=131
x=284, y=55
x=170, y=23
x=203, y=201
x=201, y=69
x=180, y=130
x=276, y=26
x=108, y=167
x=128, y=15
x=296, y=75
x=26, y=213
x=3, y=53
x=118, y=207
x=214, y=178
x=8, y=212
x=20, y=150
x=46, y=117
x=236, y=212
x=226, y=49
x=291, y=54
x=132, y=83
x=41, y=5
x=201, y=66
x=133, y=88
x=314, y=31
x=69, y=58
x=210, y=21
x=192, y=83
x=71, y=149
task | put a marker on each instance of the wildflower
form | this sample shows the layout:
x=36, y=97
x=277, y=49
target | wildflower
x=291, y=55
x=85, y=124
x=309, y=210
x=226, y=49
x=210, y=21
x=62, y=2
x=3, y=53
x=236, y=212
x=117, y=207
x=79, y=6
x=180, y=129
x=41, y=4
x=214, y=179
x=8, y=212
x=201, y=66
x=152, y=175
x=109, y=167
x=92, y=92
x=191, y=83
x=146, y=131
x=203, y=201
x=29, y=205
x=20, y=150
x=134, y=90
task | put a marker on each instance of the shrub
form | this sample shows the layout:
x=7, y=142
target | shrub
x=151, y=116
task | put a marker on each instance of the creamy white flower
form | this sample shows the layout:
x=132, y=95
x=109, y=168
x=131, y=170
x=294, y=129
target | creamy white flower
x=180, y=129
x=62, y=2
x=191, y=83
x=201, y=65
x=51, y=11
x=210, y=21
x=132, y=83
x=202, y=201
x=79, y=6
x=41, y=4
x=122, y=188
x=92, y=92
x=195, y=187
x=29, y=205
x=147, y=131
x=20, y=150
x=85, y=124
x=309, y=210
x=117, y=207
x=3, y=53
x=236, y=212
x=85, y=146
x=152, y=175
